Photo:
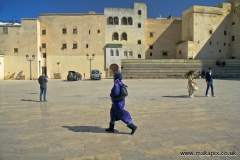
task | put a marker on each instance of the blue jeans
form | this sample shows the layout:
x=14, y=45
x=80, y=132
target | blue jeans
x=43, y=92
x=211, y=85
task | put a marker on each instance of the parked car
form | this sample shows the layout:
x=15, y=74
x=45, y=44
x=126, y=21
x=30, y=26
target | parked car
x=96, y=74
x=73, y=76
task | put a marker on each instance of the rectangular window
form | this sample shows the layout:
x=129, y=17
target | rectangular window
x=150, y=47
x=180, y=52
x=233, y=23
x=210, y=31
x=224, y=44
x=131, y=54
x=233, y=38
x=43, y=32
x=86, y=45
x=98, y=31
x=74, y=45
x=164, y=53
x=234, y=11
x=64, y=30
x=125, y=53
x=44, y=55
x=64, y=46
x=220, y=51
x=151, y=34
x=5, y=30
x=74, y=30
x=210, y=42
x=89, y=31
x=43, y=45
x=225, y=32
x=15, y=50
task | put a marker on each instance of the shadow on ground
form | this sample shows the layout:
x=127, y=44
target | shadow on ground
x=29, y=100
x=92, y=129
x=182, y=96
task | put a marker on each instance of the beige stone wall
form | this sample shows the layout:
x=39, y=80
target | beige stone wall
x=69, y=58
x=166, y=34
x=206, y=45
x=236, y=33
x=1, y=67
x=24, y=38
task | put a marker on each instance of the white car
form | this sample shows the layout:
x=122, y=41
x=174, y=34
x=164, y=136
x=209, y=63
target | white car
x=96, y=74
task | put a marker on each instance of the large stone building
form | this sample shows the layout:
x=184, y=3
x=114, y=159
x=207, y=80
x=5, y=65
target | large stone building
x=60, y=42
x=125, y=27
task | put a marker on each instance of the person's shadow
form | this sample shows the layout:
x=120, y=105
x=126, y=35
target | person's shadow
x=29, y=100
x=92, y=129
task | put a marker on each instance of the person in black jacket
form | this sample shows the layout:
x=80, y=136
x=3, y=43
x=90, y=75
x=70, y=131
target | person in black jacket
x=209, y=82
x=42, y=80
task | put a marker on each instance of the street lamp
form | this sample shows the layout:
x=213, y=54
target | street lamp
x=30, y=60
x=90, y=59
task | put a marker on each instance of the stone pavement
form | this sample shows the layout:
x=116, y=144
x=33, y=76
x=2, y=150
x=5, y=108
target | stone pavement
x=70, y=126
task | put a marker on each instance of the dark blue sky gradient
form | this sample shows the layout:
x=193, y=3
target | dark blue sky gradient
x=17, y=9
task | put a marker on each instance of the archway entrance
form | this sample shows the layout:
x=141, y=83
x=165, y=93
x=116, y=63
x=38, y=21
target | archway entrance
x=113, y=68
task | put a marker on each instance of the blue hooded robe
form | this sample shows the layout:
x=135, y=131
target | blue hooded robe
x=117, y=111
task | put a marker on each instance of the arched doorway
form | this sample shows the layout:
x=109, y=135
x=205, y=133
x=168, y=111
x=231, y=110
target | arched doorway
x=113, y=68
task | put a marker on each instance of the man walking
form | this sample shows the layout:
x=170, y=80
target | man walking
x=42, y=80
x=209, y=82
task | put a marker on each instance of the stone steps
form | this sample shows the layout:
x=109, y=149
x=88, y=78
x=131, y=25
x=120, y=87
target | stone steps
x=176, y=68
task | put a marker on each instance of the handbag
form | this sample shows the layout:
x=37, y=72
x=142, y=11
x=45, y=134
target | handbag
x=195, y=87
x=123, y=92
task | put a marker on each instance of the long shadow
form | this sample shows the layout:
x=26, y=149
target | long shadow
x=182, y=96
x=92, y=129
x=29, y=100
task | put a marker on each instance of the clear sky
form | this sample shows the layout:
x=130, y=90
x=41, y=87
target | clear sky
x=17, y=9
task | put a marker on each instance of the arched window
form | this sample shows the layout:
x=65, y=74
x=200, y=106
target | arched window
x=124, y=21
x=111, y=53
x=43, y=44
x=139, y=12
x=139, y=25
x=130, y=21
x=139, y=56
x=64, y=30
x=74, y=30
x=117, y=52
x=139, y=42
x=116, y=20
x=115, y=36
x=75, y=45
x=110, y=20
x=124, y=36
x=64, y=45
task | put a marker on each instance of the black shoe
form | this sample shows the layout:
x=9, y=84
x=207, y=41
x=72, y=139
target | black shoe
x=111, y=127
x=132, y=127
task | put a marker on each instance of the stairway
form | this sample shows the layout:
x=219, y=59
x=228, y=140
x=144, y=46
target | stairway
x=176, y=68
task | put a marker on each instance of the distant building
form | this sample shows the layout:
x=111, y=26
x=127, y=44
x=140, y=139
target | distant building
x=120, y=33
x=126, y=27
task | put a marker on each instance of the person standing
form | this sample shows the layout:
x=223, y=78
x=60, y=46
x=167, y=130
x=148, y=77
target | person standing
x=42, y=80
x=191, y=83
x=117, y=111
x=209, y=82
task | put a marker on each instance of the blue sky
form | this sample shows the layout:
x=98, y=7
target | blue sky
x=17, y=9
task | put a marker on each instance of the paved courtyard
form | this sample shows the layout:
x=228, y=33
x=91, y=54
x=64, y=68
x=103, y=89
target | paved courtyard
x=70, y=125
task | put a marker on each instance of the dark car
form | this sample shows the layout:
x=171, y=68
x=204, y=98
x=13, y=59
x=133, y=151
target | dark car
x=73, y=76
